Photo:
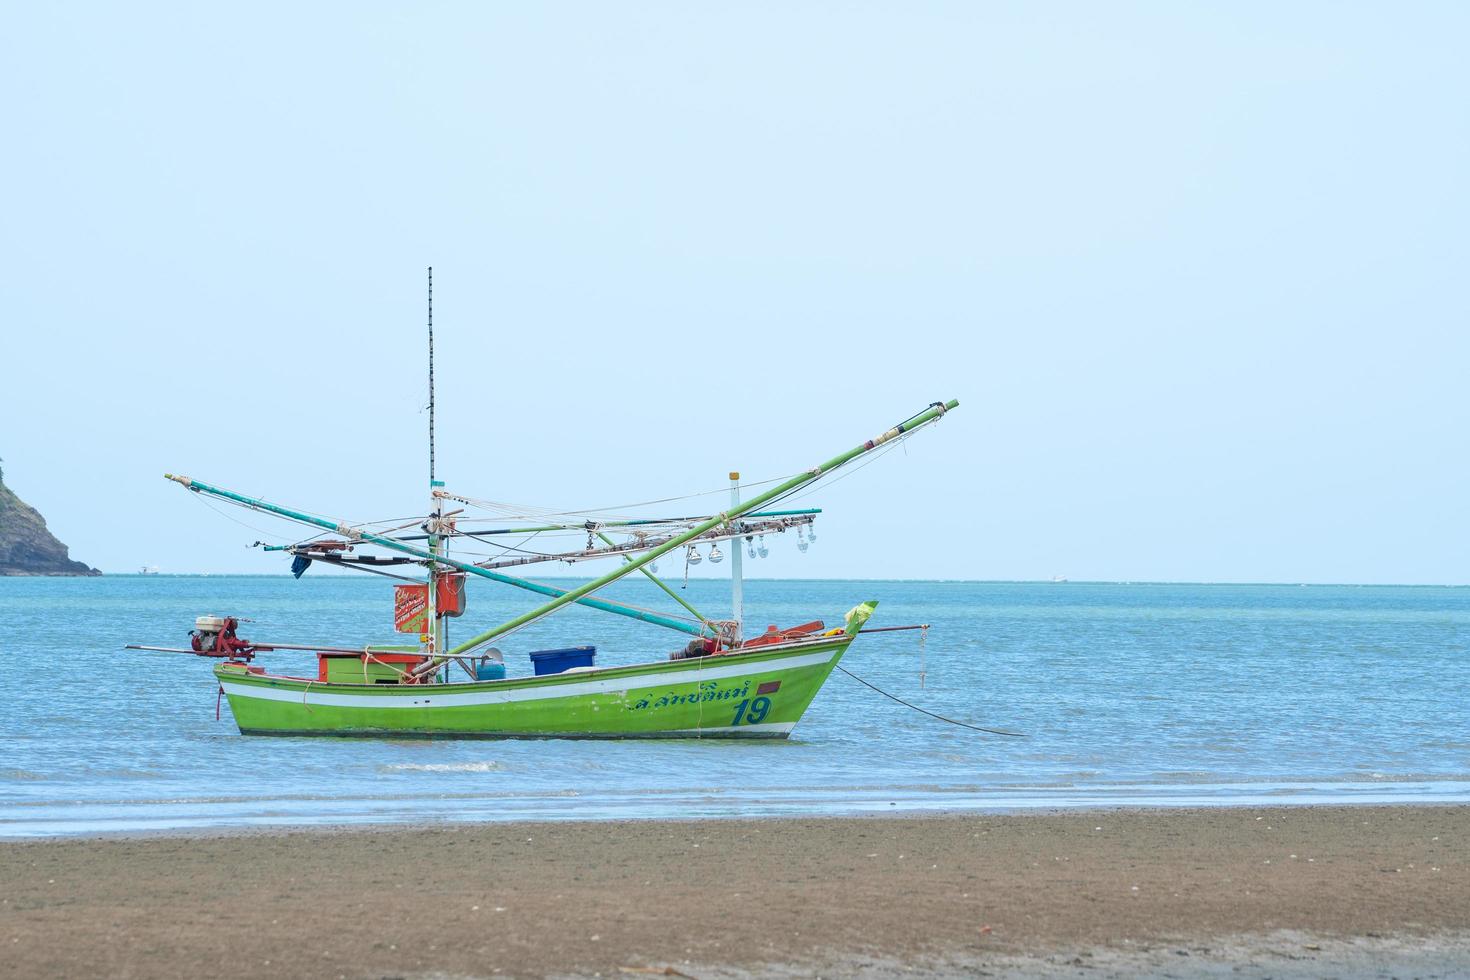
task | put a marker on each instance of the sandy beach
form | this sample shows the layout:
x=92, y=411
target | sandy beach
x=1096, y=893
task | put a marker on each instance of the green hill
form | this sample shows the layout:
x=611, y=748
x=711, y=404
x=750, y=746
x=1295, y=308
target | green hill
x=26, y=547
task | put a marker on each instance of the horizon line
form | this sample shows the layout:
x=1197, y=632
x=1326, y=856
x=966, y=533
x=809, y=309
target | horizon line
x=1285, y=583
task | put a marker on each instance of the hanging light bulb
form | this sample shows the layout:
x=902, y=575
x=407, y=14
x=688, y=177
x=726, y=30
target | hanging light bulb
x=801, y=543
x=750, y=546
x=811, y=533
x=653, y=567
x=763, y=550
x=692, y=557
x=715, y=554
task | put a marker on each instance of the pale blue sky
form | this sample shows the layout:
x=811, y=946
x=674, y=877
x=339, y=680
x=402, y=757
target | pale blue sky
x=1196, y=273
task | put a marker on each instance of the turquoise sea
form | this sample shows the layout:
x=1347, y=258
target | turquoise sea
x=1129, y=694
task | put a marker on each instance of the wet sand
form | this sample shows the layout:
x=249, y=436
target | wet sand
x=1347, y=890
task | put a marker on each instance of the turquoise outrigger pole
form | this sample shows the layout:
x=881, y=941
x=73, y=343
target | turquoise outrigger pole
x=432, y=555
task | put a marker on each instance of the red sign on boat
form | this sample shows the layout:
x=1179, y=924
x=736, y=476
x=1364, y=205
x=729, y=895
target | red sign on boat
x=411, y=608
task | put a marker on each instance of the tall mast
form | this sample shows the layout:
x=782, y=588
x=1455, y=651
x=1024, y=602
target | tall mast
x=737, y=570
x=436, y=503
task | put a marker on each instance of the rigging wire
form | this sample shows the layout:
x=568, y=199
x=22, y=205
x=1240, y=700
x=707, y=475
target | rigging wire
x=320, y=533
x=364, y=568
x=251, y=507
x=519, y=512
x=809, y=488
x=257, y=530
x=806, y=489
x=796, y=493
x=384, y=532
x=922, y=711
x=412, y=520
x=518, y=547
x=235, y=520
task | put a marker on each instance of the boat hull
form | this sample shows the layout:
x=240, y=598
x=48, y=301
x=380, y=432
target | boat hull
x=760, y=694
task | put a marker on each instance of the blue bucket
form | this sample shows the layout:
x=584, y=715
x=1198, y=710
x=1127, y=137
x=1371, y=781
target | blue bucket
x=556, y=661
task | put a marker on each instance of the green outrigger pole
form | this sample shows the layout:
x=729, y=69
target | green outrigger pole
x=660, y=583
x=930, y=414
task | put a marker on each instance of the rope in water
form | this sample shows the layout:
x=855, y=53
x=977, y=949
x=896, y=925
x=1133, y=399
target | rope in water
x=977, y=728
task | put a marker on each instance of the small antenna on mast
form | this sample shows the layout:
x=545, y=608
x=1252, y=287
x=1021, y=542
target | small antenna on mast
x=431, y=374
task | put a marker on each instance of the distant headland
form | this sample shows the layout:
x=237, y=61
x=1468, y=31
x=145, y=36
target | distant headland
x=26, y=547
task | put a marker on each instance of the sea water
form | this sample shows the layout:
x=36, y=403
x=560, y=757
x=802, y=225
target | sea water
x=1127, y=694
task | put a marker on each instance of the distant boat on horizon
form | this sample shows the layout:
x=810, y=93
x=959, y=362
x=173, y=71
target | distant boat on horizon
x=148, y=570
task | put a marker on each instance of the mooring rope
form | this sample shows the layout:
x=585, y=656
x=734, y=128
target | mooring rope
x=922, y=711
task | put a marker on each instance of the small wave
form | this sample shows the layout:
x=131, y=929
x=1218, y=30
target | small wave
x=441, y=767
x=21, y=775
x=122, y=772
x=1186, y=776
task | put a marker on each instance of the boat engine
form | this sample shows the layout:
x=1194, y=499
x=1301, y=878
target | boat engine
x=214, y=636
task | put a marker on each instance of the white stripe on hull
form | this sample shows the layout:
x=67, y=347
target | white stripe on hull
x=425, y=697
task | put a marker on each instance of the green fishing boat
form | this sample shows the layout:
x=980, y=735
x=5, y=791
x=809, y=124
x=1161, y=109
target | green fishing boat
x=761, y=693
x=722, y=683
